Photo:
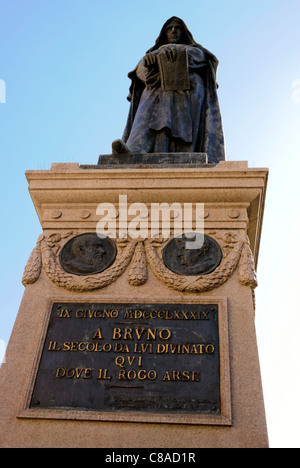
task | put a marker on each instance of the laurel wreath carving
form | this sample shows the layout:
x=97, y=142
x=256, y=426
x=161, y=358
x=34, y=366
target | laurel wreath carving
x=138, y=253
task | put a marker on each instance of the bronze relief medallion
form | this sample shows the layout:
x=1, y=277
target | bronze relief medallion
x=87, y=254
x=192, y=262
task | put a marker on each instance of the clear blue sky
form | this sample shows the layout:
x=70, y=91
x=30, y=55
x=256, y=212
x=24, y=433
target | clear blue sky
x=65, y=65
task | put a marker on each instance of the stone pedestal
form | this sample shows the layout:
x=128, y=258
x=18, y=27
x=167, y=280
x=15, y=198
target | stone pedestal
x=88, y=365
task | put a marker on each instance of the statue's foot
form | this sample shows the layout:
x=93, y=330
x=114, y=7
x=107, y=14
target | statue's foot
x=119, y=147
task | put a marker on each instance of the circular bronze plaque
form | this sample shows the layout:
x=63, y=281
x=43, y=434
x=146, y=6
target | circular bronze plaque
x=191, y=262
x=87, y=254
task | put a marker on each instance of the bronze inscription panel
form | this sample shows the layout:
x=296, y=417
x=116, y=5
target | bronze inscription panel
x=159, y=358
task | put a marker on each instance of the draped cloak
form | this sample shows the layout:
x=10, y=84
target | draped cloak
x=191, y=118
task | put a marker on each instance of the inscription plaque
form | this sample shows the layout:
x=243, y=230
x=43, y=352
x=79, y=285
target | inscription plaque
x=154, y=358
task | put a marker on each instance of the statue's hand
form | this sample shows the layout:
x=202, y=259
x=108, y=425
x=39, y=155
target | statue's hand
x=150, y=59
x=170, y=53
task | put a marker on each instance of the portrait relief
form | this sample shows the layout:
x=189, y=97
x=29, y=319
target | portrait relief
x=87, y=254
x=191, y=262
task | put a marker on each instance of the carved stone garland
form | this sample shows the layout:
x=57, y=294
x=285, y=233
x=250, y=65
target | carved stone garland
x=137, y=253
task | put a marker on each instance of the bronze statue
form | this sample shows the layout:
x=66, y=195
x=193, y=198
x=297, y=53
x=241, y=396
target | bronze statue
x=174, y=104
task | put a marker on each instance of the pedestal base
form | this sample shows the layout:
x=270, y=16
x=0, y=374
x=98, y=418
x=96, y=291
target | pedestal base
x=112, y=329
x=152, y=160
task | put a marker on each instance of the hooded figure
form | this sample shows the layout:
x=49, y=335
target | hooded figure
x=184, y=119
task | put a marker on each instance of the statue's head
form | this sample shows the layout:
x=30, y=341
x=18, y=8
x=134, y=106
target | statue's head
x=174, y=31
